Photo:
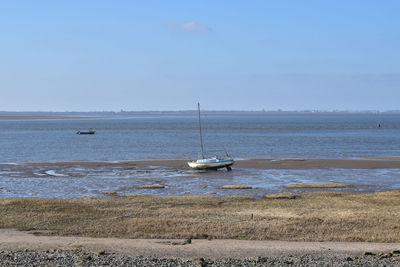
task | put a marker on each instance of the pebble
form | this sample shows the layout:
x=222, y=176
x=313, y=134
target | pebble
x=31, y=258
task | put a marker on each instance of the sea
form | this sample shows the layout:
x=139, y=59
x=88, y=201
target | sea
x=177, y=137
x=146, y=137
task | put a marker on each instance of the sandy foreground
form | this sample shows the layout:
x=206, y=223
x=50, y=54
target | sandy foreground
x=284, y=163
x=213, y=249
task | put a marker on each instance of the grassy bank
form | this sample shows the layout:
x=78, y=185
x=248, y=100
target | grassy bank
x=317, y=216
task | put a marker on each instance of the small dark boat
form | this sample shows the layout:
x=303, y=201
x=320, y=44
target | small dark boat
x=91, y=131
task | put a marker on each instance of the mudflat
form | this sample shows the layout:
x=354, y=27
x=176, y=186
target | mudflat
x=299, y=163
x=284, y=163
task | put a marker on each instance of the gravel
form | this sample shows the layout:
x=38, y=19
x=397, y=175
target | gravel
x=80, y=257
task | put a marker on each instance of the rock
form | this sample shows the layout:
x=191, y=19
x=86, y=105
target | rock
x=101, y=252
x=368, y=253
x=83, y=258
x=289, y=262
x=385, y=256
x=86, y=258
x=199, y=262
x=187, y=241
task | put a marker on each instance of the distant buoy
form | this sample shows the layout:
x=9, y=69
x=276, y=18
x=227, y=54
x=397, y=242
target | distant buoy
x=379, y=125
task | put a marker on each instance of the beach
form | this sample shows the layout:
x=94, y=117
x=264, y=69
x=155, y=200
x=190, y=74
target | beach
x=79, y=257
x=198, y=248
x=24, y=246
x=322, y=223
x=319, y=228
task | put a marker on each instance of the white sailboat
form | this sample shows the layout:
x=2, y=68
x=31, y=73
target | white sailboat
x=212, y=163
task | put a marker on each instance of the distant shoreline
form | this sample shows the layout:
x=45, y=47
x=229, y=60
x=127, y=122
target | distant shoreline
x=12, y=116
x=55, y=117
x=89, y=114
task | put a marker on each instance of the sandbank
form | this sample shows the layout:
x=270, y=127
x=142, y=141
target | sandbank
x=285, y=163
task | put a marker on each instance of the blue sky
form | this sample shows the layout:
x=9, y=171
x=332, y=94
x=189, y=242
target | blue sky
x=228, y=55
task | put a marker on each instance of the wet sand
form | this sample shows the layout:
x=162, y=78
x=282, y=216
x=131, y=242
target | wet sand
x=213, y=249
x=288, y=163
x=174, y=177
x=297, y=163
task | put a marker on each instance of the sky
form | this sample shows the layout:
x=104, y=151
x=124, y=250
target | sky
x=227, y=55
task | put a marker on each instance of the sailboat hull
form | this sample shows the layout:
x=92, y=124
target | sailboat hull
x=211, y=164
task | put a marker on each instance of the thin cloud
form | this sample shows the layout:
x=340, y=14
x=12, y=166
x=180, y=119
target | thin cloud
x=194, y=26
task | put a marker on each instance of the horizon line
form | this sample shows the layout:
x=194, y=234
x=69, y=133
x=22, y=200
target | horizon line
x=211, y=111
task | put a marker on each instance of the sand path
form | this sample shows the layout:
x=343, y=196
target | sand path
x=16, y=240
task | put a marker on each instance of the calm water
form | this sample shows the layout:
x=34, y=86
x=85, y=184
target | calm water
x=73, y=181
x=170, y=137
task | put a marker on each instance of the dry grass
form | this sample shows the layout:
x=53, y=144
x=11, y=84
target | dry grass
x=236, y=186
x=317, y=216
x=318, y=185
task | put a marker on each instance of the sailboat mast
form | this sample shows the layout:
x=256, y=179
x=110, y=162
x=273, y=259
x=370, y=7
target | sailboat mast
x=201, y=136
